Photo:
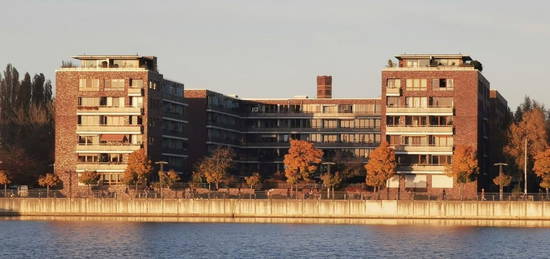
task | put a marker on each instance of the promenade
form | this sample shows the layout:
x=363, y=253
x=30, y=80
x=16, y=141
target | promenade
x=277, y=208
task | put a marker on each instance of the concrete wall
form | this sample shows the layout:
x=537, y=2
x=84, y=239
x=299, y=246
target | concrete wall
x=277, y=208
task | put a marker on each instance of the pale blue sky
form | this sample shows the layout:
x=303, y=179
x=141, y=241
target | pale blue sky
x=259, y=48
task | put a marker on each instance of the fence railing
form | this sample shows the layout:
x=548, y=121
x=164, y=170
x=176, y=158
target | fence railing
x=247, y=193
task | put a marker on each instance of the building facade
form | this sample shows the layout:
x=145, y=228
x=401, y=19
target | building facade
x=110, y=106
x=259, y=130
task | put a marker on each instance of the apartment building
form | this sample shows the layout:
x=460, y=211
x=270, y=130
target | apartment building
x=109, y=106
x=431, y=104
x=259, y=130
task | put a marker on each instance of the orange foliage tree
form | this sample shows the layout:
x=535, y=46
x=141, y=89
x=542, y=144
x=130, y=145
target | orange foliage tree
x=5, y=180
x=215, y=166
x=302, y=159
x=381, y=166
x=138, y=169
x=502, y=181
x=48, y=180
x=542, y=168
x=464, y=165
x=531, y=128
x=252, y=180
x=89, y=178
x=331, y=180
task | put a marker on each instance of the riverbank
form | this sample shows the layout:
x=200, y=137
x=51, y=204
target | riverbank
x=287, y=208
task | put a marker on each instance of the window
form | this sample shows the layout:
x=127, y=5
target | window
x=88, y=101
x=441, y=101
x=315, y=137
x=332, y=138
x=330, y=108
x=347, y=123
x=85, y=140
x=442, y=84
x=393, y=83
x=416, y=102
x=416, y=84
x=136, y=83
x=345, y=108
x=330, y=124
x=88, y=84
x=393, y=101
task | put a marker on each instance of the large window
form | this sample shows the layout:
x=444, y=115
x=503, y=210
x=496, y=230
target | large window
x=416, y=102
x=393, y=83
x=416, y=84
x=88, y=84
x=330, y=124
x=114, y=84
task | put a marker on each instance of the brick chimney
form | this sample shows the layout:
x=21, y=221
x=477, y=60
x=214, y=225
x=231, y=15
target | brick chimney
x=324, y=87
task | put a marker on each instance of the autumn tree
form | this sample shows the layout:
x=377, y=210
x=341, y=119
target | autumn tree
x=89, y=178
x=502, y=181
x=301, y=160
x=5, y=180
x=138, y=169
x=381, y=166
x=532, y=129
x=464, y=165
x=48, y=180
x=252, y=180
x=169, y=178
x=542, y=168
x=331, y=180
x=215, y=166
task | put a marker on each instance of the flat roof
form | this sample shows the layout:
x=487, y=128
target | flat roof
x=461, y=56
x=97, y=57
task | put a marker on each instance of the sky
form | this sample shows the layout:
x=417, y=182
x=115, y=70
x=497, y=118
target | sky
x=261, y=48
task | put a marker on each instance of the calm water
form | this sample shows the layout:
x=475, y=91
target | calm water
x=115, y=239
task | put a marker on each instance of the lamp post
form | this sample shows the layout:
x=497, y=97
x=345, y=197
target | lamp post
x=500, y=187
x=161, y=163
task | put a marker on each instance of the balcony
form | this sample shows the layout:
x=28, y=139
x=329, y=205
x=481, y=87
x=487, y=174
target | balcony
x=421, y=130
x=421, y=169
x=111, y=110
x=99, y=166
x=313, y=130
x=103, y=129
x=422, y=149
x=393, y=91
x=310, y=114
x=135, y=91
x=430, y=110
x=107, y=147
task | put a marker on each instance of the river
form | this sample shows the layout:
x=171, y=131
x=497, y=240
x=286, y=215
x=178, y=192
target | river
x=139, y=238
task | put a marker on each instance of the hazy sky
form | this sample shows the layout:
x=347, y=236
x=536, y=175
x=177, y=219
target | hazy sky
x=258, y=48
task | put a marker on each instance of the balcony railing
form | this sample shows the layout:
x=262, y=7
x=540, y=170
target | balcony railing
x=288, y=130
x=310, y=114
x=131, y=129
x=108, y=147
x=421, y=168
x=393, y=130
x=429, y=110
x=393, y=91
x=100, y=166
x=110, y=109
x=135, y=91
x=422, y=148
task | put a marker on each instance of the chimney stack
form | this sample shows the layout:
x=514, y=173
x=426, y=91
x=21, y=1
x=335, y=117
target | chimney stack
x=324, y=87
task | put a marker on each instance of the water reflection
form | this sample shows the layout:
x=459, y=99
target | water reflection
x=349, y=221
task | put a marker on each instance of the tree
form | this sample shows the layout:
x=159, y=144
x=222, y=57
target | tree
x=89, y=178
x=331, y=180
x=48, y=180
x=532, y=128
x=301, y=160
x=5, y=180
x=502, y=181
x=138, y=169
x=463, y=166
x=215, y=166
x=542, y=168
x=381, y=166
x=252, y=180
x=169, y=178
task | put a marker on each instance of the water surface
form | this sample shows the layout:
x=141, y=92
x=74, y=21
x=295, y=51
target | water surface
x=115, y=238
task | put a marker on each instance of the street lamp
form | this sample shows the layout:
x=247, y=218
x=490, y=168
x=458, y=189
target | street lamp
x=500, y=165
x=161, y=163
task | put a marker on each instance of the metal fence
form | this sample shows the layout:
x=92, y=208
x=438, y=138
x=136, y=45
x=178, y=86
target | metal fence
x=311, y=194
